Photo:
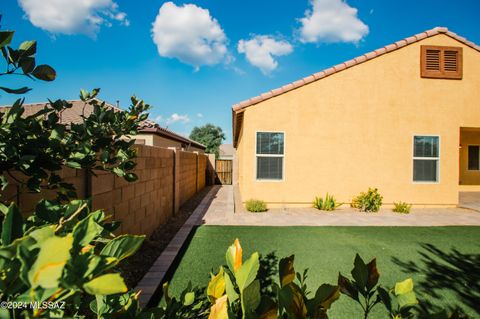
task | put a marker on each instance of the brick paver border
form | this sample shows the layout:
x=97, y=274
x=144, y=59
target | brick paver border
x=162, y=270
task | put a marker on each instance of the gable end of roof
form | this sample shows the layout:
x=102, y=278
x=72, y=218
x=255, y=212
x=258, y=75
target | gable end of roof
x=239, y=107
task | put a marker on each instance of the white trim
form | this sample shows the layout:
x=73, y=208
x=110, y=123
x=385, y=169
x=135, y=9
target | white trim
x=426, y=159
x=468, y=158
x=270, y=155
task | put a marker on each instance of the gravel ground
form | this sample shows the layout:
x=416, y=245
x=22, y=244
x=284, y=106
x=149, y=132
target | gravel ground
x=135, y=267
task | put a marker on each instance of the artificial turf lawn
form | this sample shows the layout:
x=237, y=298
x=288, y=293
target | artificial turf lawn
x=449, y=276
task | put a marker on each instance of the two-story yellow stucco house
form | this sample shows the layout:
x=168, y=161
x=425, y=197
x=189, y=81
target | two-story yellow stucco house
x=404, y=118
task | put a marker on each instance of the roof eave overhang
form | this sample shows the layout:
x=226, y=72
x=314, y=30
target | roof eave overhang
x=156, y=131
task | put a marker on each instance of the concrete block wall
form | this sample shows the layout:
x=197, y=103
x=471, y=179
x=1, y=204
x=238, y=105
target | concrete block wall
x=142, y=205
x=27, y=201
x=167, y=178
x=202, y=171
x=187, y=176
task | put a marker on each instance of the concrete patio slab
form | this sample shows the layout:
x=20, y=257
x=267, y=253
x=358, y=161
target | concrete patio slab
x=470, y=200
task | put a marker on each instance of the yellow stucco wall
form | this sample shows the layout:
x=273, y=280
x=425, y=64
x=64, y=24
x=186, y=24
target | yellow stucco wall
x=160, y=141
x=354, y=130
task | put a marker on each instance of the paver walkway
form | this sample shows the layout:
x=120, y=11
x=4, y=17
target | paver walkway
x=470, y=200
x=220, y=212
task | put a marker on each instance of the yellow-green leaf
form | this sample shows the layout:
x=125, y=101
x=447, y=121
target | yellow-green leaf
x=122, y=246
x=219, y=309
x=53, y=255
x=189, y=298
x=216, y=286
x=108, y=284
x=234, y=256
x=247, y=273
x=404, y=287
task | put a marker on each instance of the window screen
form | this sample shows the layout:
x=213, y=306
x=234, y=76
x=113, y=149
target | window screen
x=474, y=157
x=270, y=155
x=425, y=158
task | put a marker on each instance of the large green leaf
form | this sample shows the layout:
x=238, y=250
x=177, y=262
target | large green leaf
x=373, y=274
x=286, y=270
x=407, y=299
x=291, y=299
x=21, y=90
x=247, y=273
x=122, y=246
x=86, y=231
x=43, y=233
x=27, y=64
x=405, y=294
x=347, y=288
x=216, y=286
x=53, y=255
x=385, y=298
x=230, y=289
x=251, y=298
x=12, y=226
x=28, y=47
x=326, y=295
x=108, y=284
x=44, y=72
x=360, y=273
x=404, y=287
x=6, y=38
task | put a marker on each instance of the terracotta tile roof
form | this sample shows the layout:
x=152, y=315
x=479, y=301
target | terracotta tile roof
x=79, y=109
x=348, y=64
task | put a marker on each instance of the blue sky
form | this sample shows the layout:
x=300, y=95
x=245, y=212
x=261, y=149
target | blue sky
x=192, y=60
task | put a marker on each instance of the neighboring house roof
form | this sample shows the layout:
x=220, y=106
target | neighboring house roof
x=226, y=150
x=238, y=108
x=80, y=109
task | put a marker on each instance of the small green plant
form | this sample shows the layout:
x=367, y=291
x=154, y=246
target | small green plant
x=328, y=204
x=371, y=201
x=256, y=206
x=402, y=207
x=364, y=289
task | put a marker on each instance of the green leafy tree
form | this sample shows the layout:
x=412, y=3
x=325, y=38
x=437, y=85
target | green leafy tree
x=209, y=135
x=34, y=148
x=62, y=260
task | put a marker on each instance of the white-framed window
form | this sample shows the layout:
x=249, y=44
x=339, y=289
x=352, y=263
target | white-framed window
x=473, y=157
x=270, y=153
x=426, y=158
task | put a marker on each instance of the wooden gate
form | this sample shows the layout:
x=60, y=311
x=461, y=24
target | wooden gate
x=223, y=170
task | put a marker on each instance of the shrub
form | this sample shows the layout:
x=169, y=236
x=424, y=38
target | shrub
x=328, y=204
x=256, y=206
x=371, y=201
x=402, y=207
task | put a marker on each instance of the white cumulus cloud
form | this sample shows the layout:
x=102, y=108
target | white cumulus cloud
x=261, y=51
x=331, y=21
x=175, y=117
x=190, y=34
x=70, y=17
x=199, y=115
